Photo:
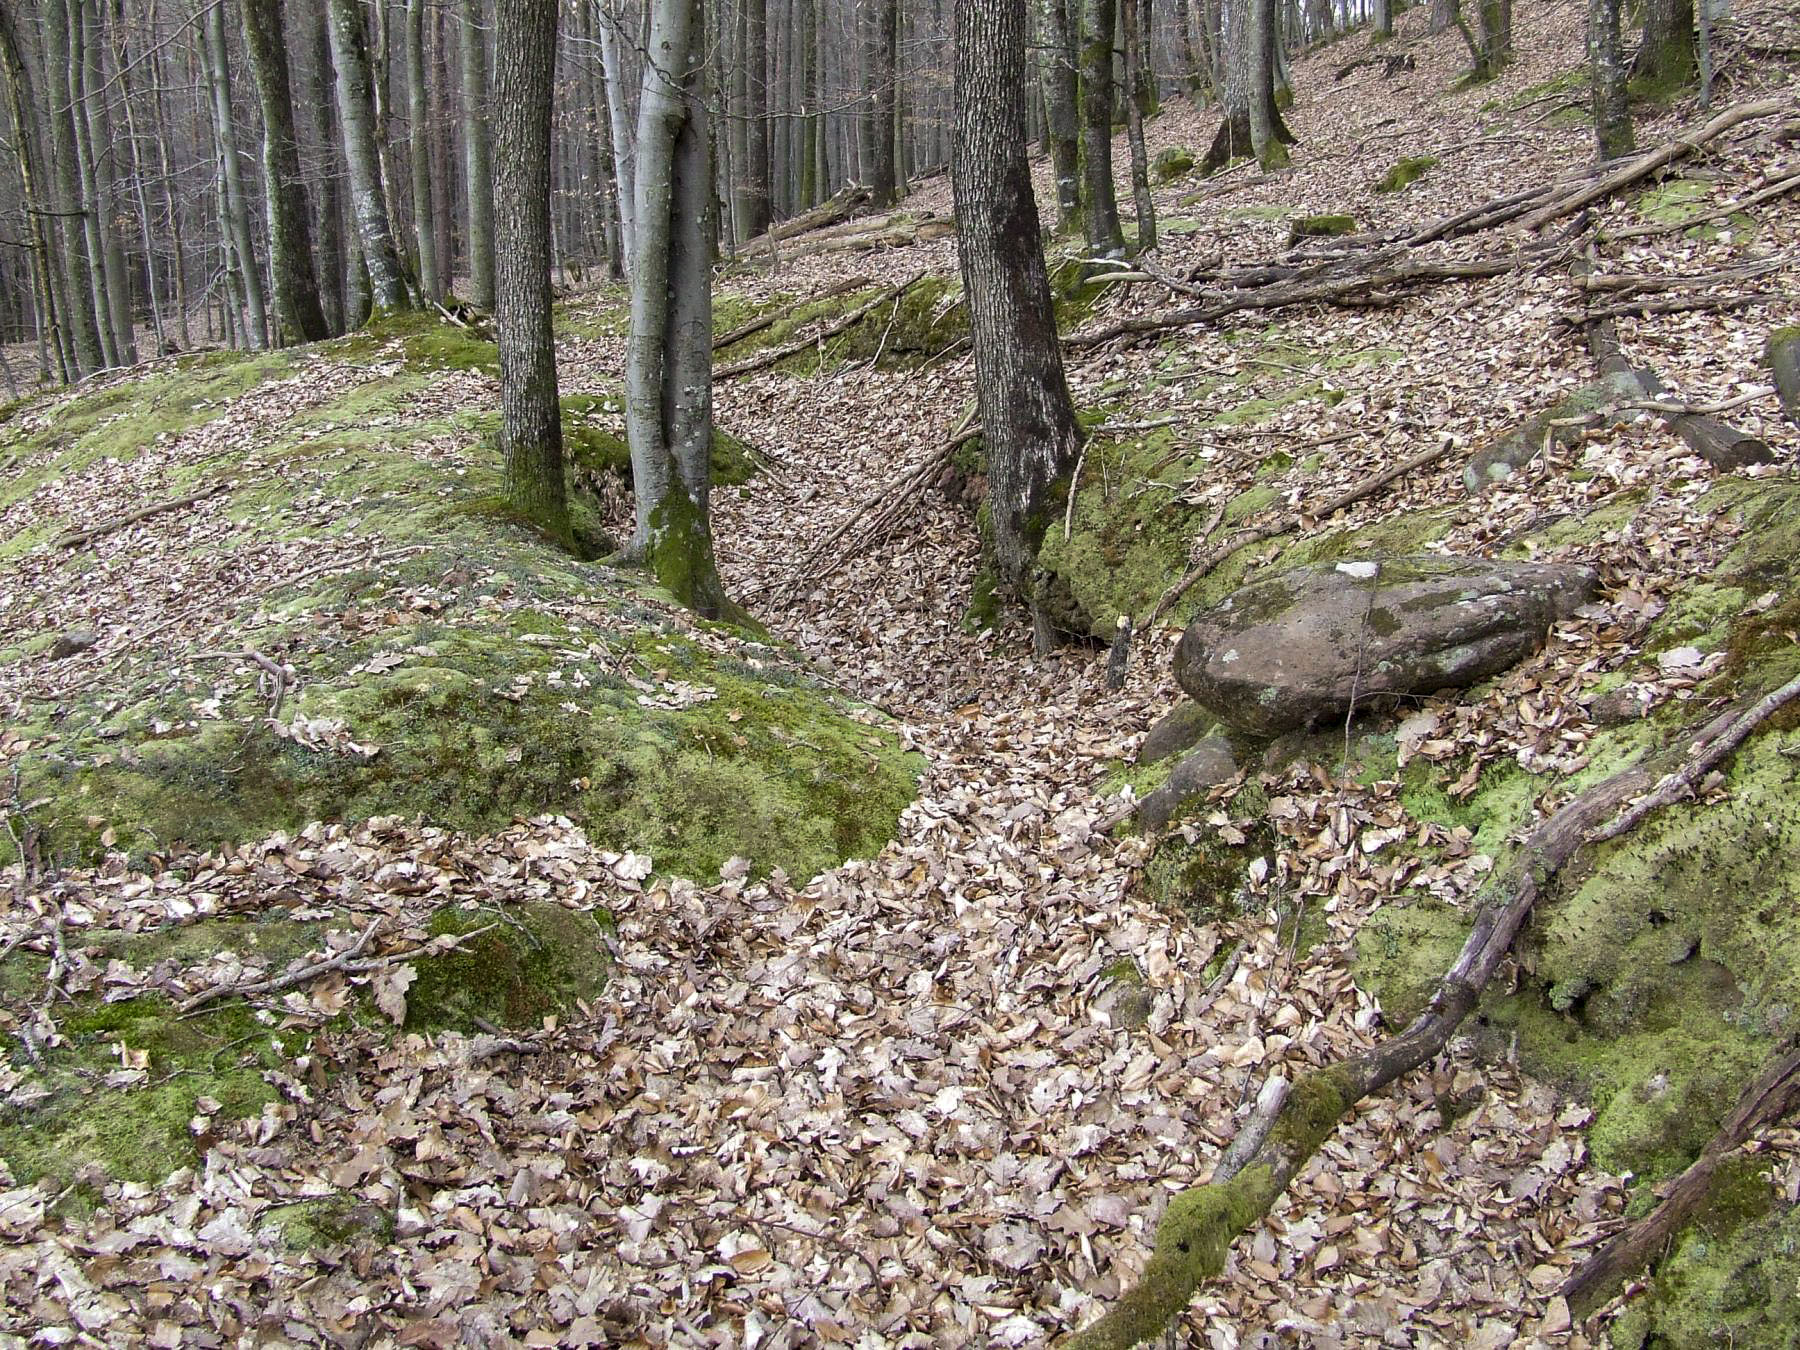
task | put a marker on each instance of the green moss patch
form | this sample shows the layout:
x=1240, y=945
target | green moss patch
x=1404, y=172
x=1321, y=227
x=1174, y=162
x=534, y=962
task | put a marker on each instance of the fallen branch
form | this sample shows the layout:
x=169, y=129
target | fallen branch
x=775, y=355
x=1773, y=1097
x=1646, y=164
x=345, y=961
x=82, y=538
x=1197, y=1229
x=774, y=317
x=1120, y=657
x=826, y=214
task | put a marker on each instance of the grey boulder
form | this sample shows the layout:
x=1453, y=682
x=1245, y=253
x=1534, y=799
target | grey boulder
x=1301, y=648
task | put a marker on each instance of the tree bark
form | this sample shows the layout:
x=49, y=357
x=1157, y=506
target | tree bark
x=668, y=370
x=754, y=211
x=1666, y=60
x=299, y=316
x=1612, y=113
x=418, y=104
x=1028, y=418
x=1265, y=139
x=530, y=414
x=1134, y=128
x=1105, y=238
x=356, y=120
x=883, y=36
x=477, y=161
x=21, y=99
x=103, y=150
x=1061, y=111
x=234, y=200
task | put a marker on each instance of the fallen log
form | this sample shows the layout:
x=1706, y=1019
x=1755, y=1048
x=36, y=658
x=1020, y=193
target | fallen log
x=900, y=231
x=775, y=355
x=1644, y=165
x=838, y=209
x=82, y=538
x=1773, y=1097
x=1196, y=1231
x=1720, y=444
x=774, y=317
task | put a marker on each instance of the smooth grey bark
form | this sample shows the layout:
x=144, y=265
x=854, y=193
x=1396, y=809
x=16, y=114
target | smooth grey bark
x=333, y=254
x=1062, y=115
x=1028, y=420
x=530, y=415
x=234, y=201
x=171, y=206
x=478, y=166
x=1265, y=143
x=93, y=210
x=139, y=179
x=1105, y=237
x=22, y=103
x=1613, y=134
x=1134, y=125
x=431, y=286
x=883, y=38
x=299, y=316
x=668, y=357
x=356, y=120
x=103, y=163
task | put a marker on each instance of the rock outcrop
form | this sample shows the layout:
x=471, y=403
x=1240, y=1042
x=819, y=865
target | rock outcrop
x=1306, y=646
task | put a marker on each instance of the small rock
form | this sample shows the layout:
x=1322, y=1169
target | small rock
x=73, y=643
x=1206, y=766
x=1179, y=729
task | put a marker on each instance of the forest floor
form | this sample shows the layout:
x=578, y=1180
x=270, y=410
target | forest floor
x=940, y=1096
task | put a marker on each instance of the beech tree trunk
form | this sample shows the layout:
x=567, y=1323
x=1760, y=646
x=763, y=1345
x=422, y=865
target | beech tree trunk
x=1027, y=417
x=668, y=358
x=334, y=258
x=356, y=120
x=530, y=414
x=619, y=116
x=299, y=316
x=418, y=104
x=1612, y=113
x=20, y=87
x=1134, y=127
x=1061, y=110
x=234, y=200
x=883, y=39
x=102, y=171
x=1105, y=238
x=1665, y=59
x=1265, y=142
x=477, y=161
x=754, y=211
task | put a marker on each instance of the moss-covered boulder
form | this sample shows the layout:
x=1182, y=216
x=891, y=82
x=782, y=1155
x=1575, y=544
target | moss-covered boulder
x=1320, y=227
x=1172, y=162
x=1308, y=645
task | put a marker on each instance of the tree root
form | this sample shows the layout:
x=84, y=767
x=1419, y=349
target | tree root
x=1197, y=1229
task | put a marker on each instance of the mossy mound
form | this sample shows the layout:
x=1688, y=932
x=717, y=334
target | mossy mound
x=136, y=1088
x=1404, y=172
x=475, y=673
x=594, y=443
x=1176, y=161
x=1321, y=227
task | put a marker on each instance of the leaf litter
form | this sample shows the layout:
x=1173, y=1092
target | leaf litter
x=938, y=1096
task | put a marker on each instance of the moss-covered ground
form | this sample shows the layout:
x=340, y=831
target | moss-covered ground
x=134, y=1089
x=487, y=672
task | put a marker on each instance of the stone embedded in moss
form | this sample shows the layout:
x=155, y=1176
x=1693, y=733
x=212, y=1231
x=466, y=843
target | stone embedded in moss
x=1404, y=172
x=1173, y=162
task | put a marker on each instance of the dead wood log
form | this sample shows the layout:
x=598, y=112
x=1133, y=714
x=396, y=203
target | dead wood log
x=1197, y=1229
x=840, y=208
x=1783, y=355
x=1774, y=1096
x=82, y=538
x=1718, y=443
x=900, y=231
x=1635, y=170
x=774, y=317
x=1120, y=657
x=763, y=360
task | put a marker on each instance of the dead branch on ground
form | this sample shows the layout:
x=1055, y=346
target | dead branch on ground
x=775, y=355
x=1197, y=1229
x=82, y=538
x=774, y=317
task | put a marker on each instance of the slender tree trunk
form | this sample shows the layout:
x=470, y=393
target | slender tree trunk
x=809, y=177
x=171, y=207
x=356, y=118
x=668, y=371
x=334, y=257
x=1612, y=113
x=624, y=151
x=94, y=219
x=1265, y=141
x=1384, y=20
x=108, y=208
x=20, y=88
x=754, y=211
x=1104, y=235
x=1134, y=130
x=530, y=414
x=477, y=161
x=1061, y=114
x=235, y=201
x=1027, y=417
x=133, y=142
x=299, y=317
x=418, y=105
x=883, y=91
